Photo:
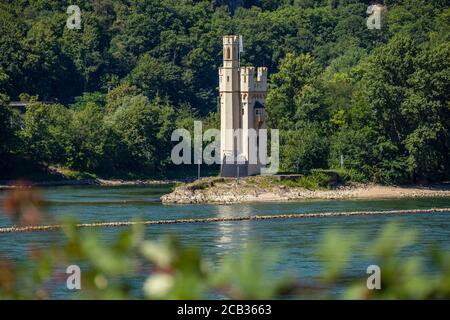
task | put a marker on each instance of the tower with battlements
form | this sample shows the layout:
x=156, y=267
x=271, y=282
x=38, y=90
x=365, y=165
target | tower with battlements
x=242, y=112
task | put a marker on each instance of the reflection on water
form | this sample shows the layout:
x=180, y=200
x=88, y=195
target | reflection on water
x=232, y=235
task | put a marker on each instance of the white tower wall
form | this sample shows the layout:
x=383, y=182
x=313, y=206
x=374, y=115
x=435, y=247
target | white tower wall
x=229, y=96
x=242, y=106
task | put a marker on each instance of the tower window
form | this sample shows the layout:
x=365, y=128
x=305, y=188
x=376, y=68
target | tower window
x=228, y=53
x=228, y=78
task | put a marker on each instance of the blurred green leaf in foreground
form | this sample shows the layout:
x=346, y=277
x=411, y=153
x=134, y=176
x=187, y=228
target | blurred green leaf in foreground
x=165, y=269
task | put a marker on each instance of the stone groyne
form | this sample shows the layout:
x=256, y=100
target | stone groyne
x=227, y=219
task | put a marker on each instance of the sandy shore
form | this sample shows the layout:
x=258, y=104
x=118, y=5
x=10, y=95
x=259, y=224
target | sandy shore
x=242, y=192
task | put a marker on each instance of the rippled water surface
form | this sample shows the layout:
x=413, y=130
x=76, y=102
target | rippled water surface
x=296, y=239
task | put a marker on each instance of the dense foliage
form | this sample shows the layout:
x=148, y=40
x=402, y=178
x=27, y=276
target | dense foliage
x=376, y=99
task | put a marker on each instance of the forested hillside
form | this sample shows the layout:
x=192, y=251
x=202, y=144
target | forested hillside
x=136, y=70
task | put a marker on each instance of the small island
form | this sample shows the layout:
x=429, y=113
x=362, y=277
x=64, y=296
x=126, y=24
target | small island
x=221, y=190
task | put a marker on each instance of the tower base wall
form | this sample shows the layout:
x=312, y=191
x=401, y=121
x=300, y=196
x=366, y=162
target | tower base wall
x=245, y=170
x=233, y=170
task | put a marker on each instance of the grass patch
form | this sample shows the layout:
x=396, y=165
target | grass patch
x=204, y=184
x=74, y=174
x=318, y=179
x=345, y=175
x=314, y=181
x=263, y=182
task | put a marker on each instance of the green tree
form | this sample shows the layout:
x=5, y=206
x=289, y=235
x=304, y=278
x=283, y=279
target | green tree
x=295, y=73
x=87, y=139
x=8, y=135
x=42, y=56
x=303, y=149
x=115, y=96
x=83, y=48
x=45, y=133
x=12, y=29
x=138, y=134
x=157, y=78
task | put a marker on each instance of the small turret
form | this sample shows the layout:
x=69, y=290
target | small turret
x=229, y=73
x=231, y=51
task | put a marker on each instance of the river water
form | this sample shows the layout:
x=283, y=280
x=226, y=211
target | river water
x=295, y=239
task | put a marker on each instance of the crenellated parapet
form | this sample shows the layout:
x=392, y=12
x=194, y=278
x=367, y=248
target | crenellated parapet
x=253, y=79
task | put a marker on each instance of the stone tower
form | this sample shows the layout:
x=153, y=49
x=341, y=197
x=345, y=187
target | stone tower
x=242, y=109
x=229, y=96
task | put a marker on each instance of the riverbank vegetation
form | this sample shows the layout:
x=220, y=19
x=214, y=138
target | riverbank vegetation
x=105, y=99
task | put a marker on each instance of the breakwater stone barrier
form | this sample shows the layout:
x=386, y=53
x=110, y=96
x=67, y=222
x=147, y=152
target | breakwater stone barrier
x=53, y=227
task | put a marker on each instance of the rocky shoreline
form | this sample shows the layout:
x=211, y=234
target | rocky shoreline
x=228, y=191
